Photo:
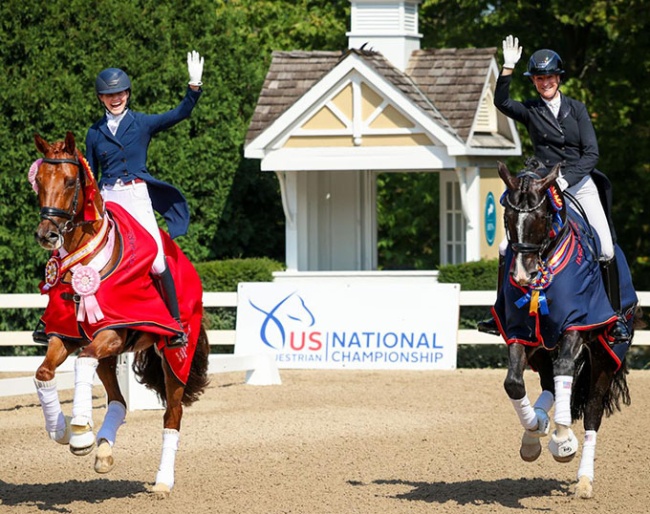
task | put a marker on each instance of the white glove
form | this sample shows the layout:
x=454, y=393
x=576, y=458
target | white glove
x=195, y=68
x=562, y=183
x=511, y=52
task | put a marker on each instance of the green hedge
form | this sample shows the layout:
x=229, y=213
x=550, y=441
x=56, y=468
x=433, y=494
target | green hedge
x=472, y=276
x=482, y=276
x=224, y=275
x=215, y=275
x=476, y=276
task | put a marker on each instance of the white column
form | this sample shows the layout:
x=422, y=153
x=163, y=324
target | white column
x=469, y=179
x=288, y=190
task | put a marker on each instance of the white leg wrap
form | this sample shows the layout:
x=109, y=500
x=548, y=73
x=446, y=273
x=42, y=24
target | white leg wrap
x=526, y=413
x=545, y=401
x=49, y=398
x=586, y=468
x=563, y=385
x=167, y=459
x=114, y=418
x=82, y=406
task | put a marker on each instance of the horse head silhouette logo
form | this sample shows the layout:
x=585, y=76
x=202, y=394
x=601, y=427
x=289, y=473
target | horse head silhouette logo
x=288, y=314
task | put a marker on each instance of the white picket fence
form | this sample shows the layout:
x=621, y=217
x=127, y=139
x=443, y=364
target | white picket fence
x=260, y=370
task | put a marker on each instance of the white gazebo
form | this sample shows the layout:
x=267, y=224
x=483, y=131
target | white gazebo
x=327, y=123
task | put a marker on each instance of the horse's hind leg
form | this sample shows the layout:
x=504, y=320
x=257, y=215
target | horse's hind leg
x=56, y=424
x=171, y=432
x=600, y=384
x=534, y=419
x=114, y=417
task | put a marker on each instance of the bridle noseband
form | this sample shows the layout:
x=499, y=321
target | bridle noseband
x=48, y=213
x=527, y=248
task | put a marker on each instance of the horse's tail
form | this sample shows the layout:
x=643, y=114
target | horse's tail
x=147, y=366
x=594, y=360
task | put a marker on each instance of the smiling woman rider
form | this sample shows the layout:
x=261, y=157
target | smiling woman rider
x=117, y=145
x=561, y=131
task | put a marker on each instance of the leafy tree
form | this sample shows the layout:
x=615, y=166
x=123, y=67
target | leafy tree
x=604, y=47
x=51, y=53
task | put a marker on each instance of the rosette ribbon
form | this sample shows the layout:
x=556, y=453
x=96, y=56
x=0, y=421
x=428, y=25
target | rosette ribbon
x=85, y=282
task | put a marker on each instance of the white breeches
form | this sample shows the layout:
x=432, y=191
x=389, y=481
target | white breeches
x=586, y=193
x=134, y=197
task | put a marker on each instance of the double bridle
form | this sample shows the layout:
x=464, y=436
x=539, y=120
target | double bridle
x=48, y=213
x=550, y=233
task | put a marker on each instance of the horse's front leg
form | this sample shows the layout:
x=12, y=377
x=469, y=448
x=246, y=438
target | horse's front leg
x=107, y=343
x=534, y=419
x=171, y=431
x=56, y=424
x=114, y=417
x=564, y=444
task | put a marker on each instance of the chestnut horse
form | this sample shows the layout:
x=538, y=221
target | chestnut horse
x=554, y=314
x=102, y=303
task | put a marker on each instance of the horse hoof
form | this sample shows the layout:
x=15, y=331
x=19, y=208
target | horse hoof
x=584, y=488
x=62, y=436
x=104, y=461
x=161, y=489
x=563, y=450
x=82, y=440
x=531, y=448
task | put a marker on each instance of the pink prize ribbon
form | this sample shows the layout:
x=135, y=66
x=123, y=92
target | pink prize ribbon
x=33, y=169
x=85, y=282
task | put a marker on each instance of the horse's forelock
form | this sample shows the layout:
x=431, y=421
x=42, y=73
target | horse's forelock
x=529, y=191
x=57, y=148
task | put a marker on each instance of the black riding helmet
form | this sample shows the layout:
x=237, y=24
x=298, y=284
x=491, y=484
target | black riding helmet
x=544, y=62
x=112, y=80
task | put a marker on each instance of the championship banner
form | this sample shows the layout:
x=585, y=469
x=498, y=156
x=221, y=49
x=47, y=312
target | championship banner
x=342, y=325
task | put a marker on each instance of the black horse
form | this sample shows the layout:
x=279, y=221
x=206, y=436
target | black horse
x=554, y=314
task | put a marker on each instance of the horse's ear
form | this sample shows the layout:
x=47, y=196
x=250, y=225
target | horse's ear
x=504, y=173
x=550, y=179
x=42, y=145
x=70, y=144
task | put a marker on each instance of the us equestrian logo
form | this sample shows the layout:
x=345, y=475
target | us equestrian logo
x=287, y=311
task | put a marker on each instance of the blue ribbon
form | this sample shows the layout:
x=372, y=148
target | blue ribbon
x=543, y=303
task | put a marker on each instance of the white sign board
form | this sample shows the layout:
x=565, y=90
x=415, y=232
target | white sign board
x=350, y=325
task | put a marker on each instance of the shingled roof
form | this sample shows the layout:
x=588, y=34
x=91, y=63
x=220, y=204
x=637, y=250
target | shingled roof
x=290, y=76
x=453, y=79
x=445, y=84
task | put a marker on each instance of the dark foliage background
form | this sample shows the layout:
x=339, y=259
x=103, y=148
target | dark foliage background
x=52, y=51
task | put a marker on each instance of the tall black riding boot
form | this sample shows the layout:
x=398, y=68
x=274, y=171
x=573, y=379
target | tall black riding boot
x=489, y=326
x=38, y=335
x=609, y=270
x=167, y=290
